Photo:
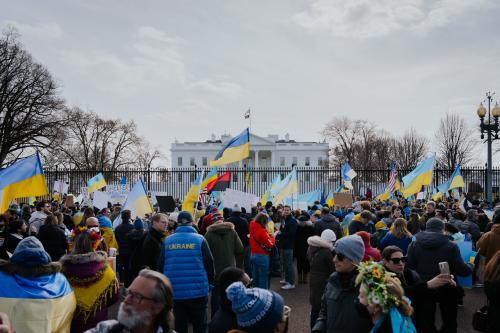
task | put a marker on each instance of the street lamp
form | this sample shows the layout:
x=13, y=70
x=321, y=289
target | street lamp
x=491, y=129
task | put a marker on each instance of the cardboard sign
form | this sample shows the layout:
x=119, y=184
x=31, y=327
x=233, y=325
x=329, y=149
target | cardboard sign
x=342, y=199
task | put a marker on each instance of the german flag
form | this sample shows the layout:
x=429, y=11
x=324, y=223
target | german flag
x=220, y=183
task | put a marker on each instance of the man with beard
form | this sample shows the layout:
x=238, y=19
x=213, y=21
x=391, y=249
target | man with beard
x=147, y=307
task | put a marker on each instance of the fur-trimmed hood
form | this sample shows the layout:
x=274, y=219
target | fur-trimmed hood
x=97, y=256
x=27, y=271
x=319, y=242
x=220, y=226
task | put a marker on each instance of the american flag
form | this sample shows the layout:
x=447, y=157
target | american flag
x=393, y=178
x=203, y=197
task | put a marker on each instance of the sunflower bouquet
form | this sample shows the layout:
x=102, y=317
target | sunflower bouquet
x=93, y=232
x=373, y=277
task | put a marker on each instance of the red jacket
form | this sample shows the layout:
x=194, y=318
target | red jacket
x=260, y=238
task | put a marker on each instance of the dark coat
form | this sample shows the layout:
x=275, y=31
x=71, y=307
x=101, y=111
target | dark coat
x=121, y=233
x=151, y=249
x=222, y=321
x=224, y=244
x=241, y=227
x=53, y=240
x=339, y=312
x=304, y=231
x=356, y=226
x=9, y=245
x=492, y=290
x=328, y=221
x=320, y=258
x=471, y=228
x=287, y=235
x=429, y=249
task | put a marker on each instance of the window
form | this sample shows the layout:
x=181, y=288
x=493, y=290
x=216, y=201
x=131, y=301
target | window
x=320, y=161
x=204, y=161
x=294, y=161
x=308, y=161
x=282, y=161
x=179, y=161
x=191, y=161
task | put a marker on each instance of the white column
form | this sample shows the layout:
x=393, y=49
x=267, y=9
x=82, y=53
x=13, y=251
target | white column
x=272, y=158
x=256, y=162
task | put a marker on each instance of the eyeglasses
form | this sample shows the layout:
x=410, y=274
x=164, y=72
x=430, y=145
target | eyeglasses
x=340, y=256
x=398, y=261
x=135, y=297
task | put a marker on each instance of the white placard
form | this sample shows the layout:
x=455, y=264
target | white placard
x=231, y=197
x=100, y=199
x=60, y=187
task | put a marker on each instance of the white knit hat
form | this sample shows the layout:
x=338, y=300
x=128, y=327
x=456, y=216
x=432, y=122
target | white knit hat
x=328, y=235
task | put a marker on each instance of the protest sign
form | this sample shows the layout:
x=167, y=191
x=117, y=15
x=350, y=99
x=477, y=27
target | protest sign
x=231, y=197
x=70, y=201
x=342, y=199
x=60, y=187
x=117, y=192
x=100, y=199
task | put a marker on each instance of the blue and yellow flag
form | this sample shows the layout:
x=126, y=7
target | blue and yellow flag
x=455, y=181
x=329, y=199
x=24, y=178
x=384, y=195
x=286, y=188
x=237, y=149
x=267, y=196
x=420, y=176
x=192, y=195
x=96, y=182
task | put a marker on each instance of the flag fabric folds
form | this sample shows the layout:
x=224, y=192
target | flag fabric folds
x=237, y=149
x=24, y=178
x=192, y=195
x=267, y=196
x=420, y=176
x=220, y=183
x=384, y=195
x=329, y=199
x=286, y=187
x=455, y=181
x=308, y=197
x=348, y=175
x=95, y=183
x=211, y=175
x=137, y=202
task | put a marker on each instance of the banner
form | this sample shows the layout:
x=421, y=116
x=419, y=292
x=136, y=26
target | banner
x=231, y=197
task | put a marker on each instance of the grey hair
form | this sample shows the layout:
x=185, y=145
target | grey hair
x=162, y=294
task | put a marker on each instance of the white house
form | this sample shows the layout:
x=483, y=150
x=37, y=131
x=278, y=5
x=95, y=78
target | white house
x=267, y=151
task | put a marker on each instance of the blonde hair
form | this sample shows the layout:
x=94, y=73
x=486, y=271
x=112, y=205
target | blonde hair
x=399, y=229
x=395, y=288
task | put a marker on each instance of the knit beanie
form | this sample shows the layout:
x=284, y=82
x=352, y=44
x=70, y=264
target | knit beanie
x=216, y=217
x=30, y=252
x=328, y=235
x=257, y=310
x=184, y=218
x=104, y=222
x=434, y=225
x=138, y=224
x=351, y=247
x=236, y=208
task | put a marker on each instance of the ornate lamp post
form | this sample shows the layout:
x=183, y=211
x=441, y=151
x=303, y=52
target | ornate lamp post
x=491, y=129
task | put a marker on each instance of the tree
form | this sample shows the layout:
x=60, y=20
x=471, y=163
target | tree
x=455, y=142
x=90, y=142
x=409, y=150
x=147, y=156
x=29, y=102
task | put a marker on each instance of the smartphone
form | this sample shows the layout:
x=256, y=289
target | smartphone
x=444, y=268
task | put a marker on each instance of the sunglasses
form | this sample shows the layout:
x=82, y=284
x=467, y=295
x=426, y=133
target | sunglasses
x=340, y=256
x=397, y=261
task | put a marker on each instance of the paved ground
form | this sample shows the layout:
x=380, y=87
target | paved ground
x=298, y=300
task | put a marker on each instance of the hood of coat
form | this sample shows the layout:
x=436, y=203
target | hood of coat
x=307, y=223
x=431, y=240
x=97, y=256
x=317, y=241
x=220, y=227
x=329, y=218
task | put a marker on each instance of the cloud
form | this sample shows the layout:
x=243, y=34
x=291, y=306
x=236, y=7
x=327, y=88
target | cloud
x=47, y=31
x=362, y=19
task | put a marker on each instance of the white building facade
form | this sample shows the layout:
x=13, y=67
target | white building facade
x=267, y=151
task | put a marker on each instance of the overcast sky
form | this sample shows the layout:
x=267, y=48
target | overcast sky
x=186, y=69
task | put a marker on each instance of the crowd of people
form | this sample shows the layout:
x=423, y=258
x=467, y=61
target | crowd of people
x=372, y=267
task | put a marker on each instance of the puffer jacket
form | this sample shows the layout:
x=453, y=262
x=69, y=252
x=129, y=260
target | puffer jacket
x=225, y=245
x=328, y=221
x=304, y=231
x=340, y=311
x=320, y=258
x=429, y=249
x=489, y=243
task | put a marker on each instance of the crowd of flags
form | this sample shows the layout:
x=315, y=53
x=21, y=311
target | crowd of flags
x=25, y=178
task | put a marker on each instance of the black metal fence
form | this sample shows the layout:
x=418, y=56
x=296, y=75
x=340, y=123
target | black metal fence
x=176, y=181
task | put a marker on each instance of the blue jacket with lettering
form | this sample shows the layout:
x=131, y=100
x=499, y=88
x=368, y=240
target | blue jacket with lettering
x=188, y=263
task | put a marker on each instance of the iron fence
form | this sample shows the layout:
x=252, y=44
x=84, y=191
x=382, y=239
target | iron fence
x=176, y=181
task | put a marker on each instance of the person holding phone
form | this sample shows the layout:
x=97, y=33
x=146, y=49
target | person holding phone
x=430, y=248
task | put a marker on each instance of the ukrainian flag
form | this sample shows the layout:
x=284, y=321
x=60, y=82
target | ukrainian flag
x=192, y=196
x=267, y=196
x=212, y=175
x=436, y=195
x=384, y=195
x=237, y=149
x=329, y=199
x=455, y=181
x=37, y=303
x=420, y=176
x=286, y=188
x=24, y=178
x=96, y=183
x=137, y=202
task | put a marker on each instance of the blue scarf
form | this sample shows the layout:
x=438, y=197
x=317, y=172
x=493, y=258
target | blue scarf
x=399, y=323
